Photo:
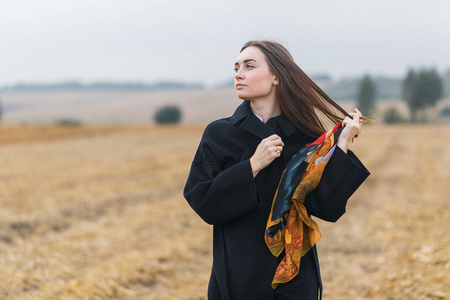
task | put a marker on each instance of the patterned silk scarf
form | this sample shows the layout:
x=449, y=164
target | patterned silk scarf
x=289, y=226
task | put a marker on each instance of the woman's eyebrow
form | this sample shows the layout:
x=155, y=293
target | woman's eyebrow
x=245, y=61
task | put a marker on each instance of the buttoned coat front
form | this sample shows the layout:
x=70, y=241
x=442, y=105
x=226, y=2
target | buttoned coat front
x=221, y=189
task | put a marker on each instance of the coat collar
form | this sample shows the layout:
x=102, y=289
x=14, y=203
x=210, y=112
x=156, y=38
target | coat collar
x=252, y=124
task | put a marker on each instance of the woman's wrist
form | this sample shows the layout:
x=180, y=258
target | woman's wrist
x=343, y=144
x=253, y=166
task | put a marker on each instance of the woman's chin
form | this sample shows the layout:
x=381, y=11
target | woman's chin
x=242, y=95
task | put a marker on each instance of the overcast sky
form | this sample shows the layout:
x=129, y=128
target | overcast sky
x=198, y=41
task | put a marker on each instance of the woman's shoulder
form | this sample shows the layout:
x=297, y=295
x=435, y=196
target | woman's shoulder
x=220, y=123
x=217, y=137
x=218, y=127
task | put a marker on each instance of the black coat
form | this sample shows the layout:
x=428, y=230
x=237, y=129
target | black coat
x=222, y=191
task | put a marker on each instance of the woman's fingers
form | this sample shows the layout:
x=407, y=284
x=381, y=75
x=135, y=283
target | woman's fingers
x=346, y=121
x=273, y=146
x=276, y=150
x=273, y=137
x=355, y=117
x=274, y=140
x=355, y=114
x=278, y=143
x=353, y=123
x=352, y=128
x=267, y=151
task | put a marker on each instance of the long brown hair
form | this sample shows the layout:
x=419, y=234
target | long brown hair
x=298, y=95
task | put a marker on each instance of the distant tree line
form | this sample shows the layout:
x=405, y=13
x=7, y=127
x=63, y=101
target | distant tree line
x=421, y=89
x=386, y=87
x=340, y=90
x=77, y=85
x=366, y=96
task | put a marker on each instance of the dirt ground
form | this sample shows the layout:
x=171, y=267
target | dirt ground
x=98, y=213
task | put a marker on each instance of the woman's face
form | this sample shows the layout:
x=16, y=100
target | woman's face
x=253, y=79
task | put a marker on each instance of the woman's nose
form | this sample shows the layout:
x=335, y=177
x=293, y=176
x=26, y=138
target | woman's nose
x=238, y=75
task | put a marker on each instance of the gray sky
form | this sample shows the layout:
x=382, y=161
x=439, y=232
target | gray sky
x=198, y=41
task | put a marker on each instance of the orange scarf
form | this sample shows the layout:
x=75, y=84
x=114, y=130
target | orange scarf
x=289, y=226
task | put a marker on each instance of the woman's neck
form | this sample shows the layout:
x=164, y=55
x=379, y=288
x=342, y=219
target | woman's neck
x=266, y=109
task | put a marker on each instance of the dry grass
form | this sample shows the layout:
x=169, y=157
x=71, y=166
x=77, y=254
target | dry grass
x=98, y=213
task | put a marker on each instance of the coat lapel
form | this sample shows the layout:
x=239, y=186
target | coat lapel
x=286, y=125
x=254, y=126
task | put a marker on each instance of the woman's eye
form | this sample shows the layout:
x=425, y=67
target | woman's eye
x=249, y=66
x=236, y=69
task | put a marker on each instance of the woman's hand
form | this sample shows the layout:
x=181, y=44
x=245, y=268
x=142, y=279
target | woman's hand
x=266, y=152
x=352, y=128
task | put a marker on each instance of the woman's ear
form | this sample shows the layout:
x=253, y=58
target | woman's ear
x=275, y=81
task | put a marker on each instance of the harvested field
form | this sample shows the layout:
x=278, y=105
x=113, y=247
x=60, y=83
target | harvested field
x=98, y=213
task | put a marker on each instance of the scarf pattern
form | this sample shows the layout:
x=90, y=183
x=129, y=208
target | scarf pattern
x=289, y=226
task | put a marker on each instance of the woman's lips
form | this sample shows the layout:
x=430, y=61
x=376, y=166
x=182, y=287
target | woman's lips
x=239, y=85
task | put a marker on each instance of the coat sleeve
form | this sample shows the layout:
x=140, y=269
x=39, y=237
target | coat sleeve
x=342, y=176
x=219, y=195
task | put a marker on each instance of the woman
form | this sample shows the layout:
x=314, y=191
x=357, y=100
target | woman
x=239, y=163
